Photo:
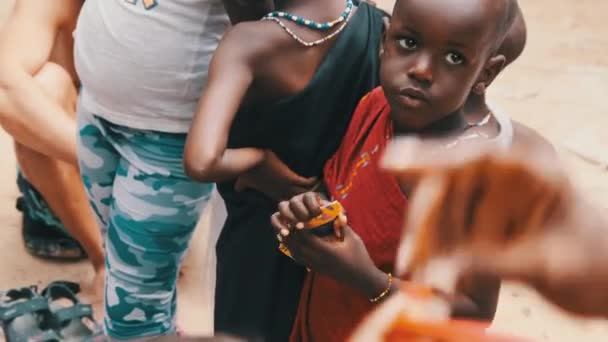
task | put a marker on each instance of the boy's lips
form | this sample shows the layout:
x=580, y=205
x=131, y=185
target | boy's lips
x=412, y=97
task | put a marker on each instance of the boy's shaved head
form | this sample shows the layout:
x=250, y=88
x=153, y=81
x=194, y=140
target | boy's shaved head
x=506, y=12
x=515, y=41
x=500, y=15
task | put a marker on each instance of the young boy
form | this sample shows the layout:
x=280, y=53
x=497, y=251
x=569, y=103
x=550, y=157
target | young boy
x=436, y=53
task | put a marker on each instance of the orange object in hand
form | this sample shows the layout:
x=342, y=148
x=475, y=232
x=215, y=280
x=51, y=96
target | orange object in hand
x=323, y=224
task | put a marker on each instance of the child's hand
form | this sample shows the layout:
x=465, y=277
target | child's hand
x=297, y=211
x=512, y=215
x=274, y=179
x=466, y=200
x=344, y=259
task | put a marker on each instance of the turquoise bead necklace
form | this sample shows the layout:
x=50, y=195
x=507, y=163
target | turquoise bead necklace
x=343, y=19
x=311, y=23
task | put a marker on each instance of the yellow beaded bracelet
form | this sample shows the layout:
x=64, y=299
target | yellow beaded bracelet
x=385, y=292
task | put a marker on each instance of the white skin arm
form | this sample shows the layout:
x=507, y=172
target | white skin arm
x=30, y=115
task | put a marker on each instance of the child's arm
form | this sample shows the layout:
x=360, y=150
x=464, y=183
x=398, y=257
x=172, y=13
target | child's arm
x=247, y=10
x=206, y=158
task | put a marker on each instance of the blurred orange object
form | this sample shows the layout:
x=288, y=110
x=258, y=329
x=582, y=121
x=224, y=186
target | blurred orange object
x=404, y=330
x=420, y=314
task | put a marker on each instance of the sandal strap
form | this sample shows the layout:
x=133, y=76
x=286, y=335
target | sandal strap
x=13, y=310
x=77, y=311
x=61, y=287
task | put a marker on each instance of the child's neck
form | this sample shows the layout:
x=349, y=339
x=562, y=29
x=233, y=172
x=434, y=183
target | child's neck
x=447, y=126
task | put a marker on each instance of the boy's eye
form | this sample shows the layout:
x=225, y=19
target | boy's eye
x=454, y=58
x=407, y=43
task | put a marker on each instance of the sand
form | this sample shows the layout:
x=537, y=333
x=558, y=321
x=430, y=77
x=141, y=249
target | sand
x=557, y=87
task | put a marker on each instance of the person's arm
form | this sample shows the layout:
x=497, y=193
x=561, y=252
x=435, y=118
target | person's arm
x=477, y=299
x=247, y=10
x=27, y=113
x=349, y=262
x=206, y=157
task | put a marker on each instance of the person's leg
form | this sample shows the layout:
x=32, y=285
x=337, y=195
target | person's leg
x=153, y=213
x=59, y=183
x=98, y=161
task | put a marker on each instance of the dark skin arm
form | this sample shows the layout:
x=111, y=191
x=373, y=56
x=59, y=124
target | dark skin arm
x=206, y=157
x=247, y=10
x=345, y=258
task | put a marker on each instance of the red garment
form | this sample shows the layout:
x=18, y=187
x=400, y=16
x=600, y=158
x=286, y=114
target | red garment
x=375, y=206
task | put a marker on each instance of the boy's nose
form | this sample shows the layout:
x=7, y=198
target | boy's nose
x=422, y=70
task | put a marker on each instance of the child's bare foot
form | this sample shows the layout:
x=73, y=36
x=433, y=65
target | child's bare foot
x=93, y=293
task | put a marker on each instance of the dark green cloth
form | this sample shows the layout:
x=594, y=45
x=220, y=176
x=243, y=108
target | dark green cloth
x=258, y=288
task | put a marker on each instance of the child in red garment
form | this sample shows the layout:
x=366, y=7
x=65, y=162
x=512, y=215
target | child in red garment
x=436, y=53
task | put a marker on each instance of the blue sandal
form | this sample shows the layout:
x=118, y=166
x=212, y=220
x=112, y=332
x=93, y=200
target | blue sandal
x=73, y=323
x=21, y=311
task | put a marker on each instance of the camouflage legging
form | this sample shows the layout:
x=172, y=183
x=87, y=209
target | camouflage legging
x=148, y=209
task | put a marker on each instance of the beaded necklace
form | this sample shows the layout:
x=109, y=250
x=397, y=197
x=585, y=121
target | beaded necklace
x=344, y=19
x=311, y=23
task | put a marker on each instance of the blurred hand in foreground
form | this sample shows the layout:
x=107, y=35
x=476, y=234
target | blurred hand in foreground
x=510, y=214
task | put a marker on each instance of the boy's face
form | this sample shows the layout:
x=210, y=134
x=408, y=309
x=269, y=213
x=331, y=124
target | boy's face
x=435, y=51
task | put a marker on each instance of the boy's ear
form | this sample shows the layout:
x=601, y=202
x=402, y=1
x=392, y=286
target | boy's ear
x=492, y=68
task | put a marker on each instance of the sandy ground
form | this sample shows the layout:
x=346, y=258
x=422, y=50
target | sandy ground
x=557, y=87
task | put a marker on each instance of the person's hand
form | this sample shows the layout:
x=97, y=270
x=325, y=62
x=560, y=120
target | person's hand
x=342, y=257
x=294, y=214
x=275, y=179
x=514, y=215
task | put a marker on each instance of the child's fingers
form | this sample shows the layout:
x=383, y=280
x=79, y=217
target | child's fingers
x=279, y=226
x=339, y=224
x=313, y=204
x=286, y=214
x=299, y=209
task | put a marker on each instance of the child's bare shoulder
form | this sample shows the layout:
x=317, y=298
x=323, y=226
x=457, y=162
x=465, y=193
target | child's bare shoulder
x=528, y=137
x=252, y=38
